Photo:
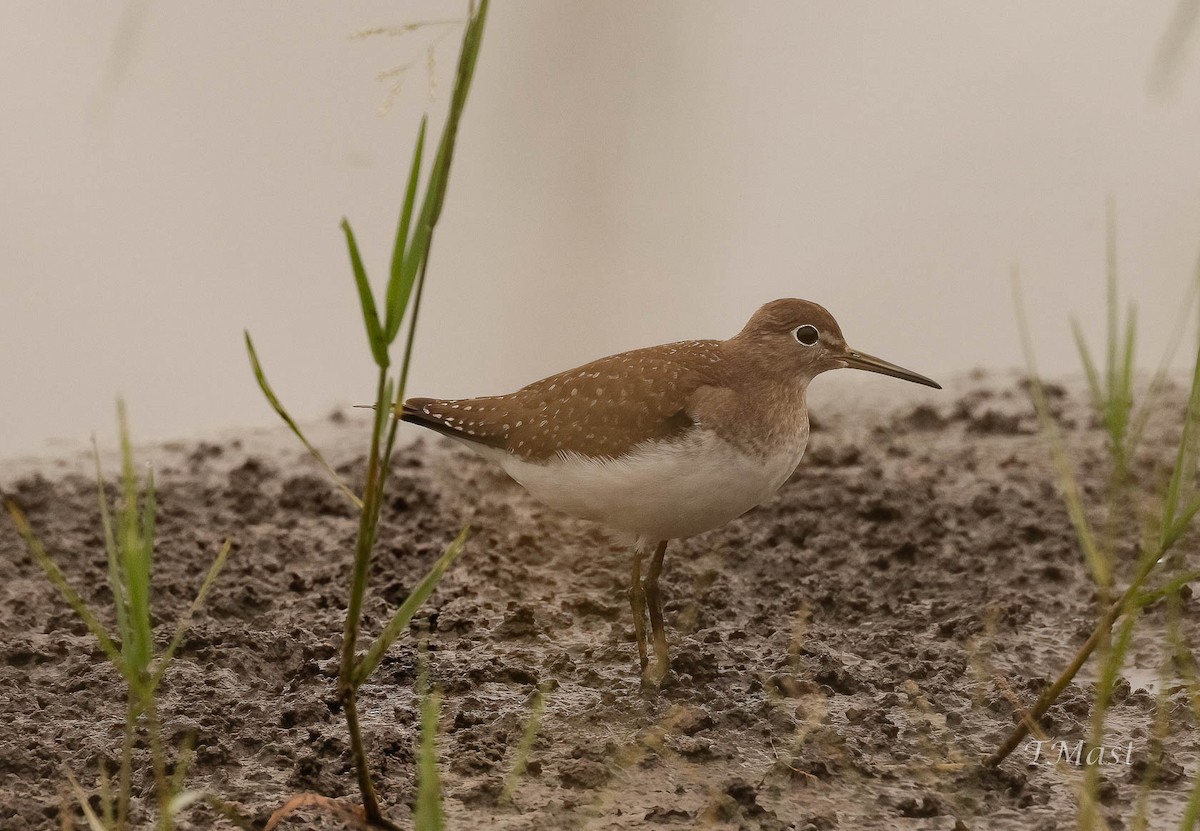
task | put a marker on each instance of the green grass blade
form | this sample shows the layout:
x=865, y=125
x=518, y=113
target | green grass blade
x=125, y=531
x=1180, y=525
x=1072, y=495
x=146, y=556
x=1191, y=816
x=1089, y=366
x=1190, y=442
x=1127, y=356
x=125, y=772
x=1123, y=397
x=1159, y=731
x=130, y=551
x=376, y=480
x=59, y=581
x=382, y=410
x=1159, y=381
x=1110, y=671
x=390, y=442
x=273, y=400
x=128, y=477
x=135, y=558
x=1182, y=469
x=107, y=810
x=184, y=622
x=1112, y=658
x=136, y=572
x=81, y=797
x=363, y=545
x=179, y=774
x=1120, y=402
x=404, y=615
x=524, y=747
x=428, y=814
x=435, y=191
x=382, y=416
x=179, y=798
x=116, y=580
x=1184, y=662
x=367, y=300
x=183, y=800
x=398, y=290
x=1172, y=586
x=402, y=381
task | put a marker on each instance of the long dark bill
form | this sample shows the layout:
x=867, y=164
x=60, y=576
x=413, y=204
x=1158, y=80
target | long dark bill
x=861, y=360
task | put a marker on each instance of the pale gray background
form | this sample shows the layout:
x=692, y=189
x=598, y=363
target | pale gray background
x=628, y=173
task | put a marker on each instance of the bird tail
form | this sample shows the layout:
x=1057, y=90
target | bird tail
x=422, y=412
x=416, y=411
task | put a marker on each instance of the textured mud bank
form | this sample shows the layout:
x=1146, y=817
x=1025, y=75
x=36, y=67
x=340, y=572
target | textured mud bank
x=836, y=651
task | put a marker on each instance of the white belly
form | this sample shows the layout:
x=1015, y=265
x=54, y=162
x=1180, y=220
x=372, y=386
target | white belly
x=661, y=490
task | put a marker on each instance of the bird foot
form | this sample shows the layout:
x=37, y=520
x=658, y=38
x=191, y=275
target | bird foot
x=653, y=675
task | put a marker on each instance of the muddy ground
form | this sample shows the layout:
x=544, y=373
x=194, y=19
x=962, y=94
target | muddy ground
x=835, y=651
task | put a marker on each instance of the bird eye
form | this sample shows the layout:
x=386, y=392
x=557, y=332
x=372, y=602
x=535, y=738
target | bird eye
x=807, y=334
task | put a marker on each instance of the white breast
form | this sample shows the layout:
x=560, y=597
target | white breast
x=661, y=490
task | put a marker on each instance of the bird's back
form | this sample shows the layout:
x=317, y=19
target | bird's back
x=602, y=409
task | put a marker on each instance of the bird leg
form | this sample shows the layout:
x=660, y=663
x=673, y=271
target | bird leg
x=662, y=661
x=637, y=601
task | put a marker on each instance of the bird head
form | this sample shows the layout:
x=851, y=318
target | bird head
x=805, y=339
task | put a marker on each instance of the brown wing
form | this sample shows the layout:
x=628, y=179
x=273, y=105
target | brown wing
x=601, y=409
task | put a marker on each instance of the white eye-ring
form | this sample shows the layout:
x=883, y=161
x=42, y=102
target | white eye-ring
x=807, y=334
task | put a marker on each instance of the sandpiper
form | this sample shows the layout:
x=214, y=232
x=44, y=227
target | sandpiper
x=664, y=442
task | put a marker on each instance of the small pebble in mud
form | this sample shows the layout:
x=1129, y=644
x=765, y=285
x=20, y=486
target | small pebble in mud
x=583, y=773
x=519, y=622
x=33, y=493
x=855, y=714
x=829, y=455
x=314, y=495
x=923, y=805
x=995, y=422
x=203, y=452
x=922, y=418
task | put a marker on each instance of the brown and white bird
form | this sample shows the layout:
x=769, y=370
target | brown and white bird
x=664, y=442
